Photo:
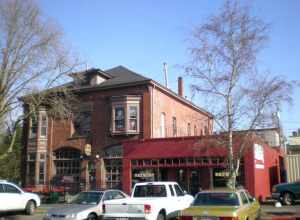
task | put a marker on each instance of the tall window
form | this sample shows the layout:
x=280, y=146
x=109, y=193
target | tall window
x=162, y=124
x=206, y=130
x=133, y=118
x=42, y=172
x=174, y=126
x=195, y=130
x=82, y=123
x=42, y=168
x=33, y=126
x=189, y=129
x=119, y=118
x=44, y=125
x=31, y=168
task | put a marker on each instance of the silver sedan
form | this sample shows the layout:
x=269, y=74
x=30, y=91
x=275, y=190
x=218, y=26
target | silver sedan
x=87, y=205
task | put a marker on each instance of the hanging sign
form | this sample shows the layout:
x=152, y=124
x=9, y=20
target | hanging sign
x=88, y=149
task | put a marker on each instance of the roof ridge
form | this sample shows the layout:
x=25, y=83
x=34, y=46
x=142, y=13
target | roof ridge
x=125, y=68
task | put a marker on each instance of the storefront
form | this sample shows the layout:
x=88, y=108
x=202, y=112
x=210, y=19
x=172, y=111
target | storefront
x=200, y=163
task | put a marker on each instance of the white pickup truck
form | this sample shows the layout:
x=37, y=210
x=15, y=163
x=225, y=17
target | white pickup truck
x=149, y=201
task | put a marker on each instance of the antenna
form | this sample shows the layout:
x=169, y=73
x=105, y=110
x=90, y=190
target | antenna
x=166, y=73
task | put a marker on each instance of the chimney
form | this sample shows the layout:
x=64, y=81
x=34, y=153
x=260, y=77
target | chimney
x=180, y=86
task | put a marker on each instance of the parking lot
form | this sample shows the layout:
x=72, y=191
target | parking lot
x=268, y=212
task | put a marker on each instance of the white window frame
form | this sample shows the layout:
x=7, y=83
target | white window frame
x=127, y=117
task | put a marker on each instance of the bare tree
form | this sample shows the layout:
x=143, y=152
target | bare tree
x=32, y=58
x=224, y=53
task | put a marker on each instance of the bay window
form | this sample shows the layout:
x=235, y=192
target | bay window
x=125, y=114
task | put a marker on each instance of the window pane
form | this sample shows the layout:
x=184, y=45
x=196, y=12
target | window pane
x=133, y=118
x=216, y=199
x=189, y=129
x=119, y=118
x=171, y=189
x=33, y=128
x=174, y=127
x=244, y=198
x=1, y=189
x=150, y=191
x=162, y=125
x=10, y=189
x=82, y=123
x=42, y=173
x=178, y=190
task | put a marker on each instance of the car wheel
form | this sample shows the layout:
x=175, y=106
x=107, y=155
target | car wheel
x=160, y=216
x=30, y=208
x=92, y=216
x=288, y=198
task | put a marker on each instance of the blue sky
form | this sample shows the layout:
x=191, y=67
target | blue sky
x=142, y=34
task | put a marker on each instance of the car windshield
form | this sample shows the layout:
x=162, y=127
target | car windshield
x=216, y=199
x=88, y=198
x=150, y=191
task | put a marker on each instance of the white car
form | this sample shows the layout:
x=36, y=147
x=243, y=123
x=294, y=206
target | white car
x=12, y=198
x=86, y=205
x=149, y=201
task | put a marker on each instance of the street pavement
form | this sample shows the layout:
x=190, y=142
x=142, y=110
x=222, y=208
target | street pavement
x=269, y=211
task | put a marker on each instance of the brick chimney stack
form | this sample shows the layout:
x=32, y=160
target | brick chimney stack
x=180, y=86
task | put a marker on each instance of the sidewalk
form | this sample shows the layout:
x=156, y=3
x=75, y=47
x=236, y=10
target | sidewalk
x=269, y=211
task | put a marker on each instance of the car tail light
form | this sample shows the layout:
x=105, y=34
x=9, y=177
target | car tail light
x=186, y=218
x=147, y=209
x=103, y=208
x=228, y=218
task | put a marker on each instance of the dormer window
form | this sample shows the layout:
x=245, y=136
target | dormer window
x=96, y=80
x=125, y=115
x=90, y=77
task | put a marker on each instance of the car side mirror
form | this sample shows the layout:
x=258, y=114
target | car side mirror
x=185, y=192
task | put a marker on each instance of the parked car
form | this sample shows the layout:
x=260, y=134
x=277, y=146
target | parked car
x=86, y=205
x=149, y=201
x=224, y=204
x=13, y=198
x=287, y=192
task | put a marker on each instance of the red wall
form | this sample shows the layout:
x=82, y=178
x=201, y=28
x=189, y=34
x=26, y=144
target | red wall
x=257, y=181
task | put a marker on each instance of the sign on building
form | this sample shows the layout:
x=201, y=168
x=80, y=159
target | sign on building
x=259, y=158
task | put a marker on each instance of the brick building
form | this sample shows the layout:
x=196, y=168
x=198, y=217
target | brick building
x=115, y=105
